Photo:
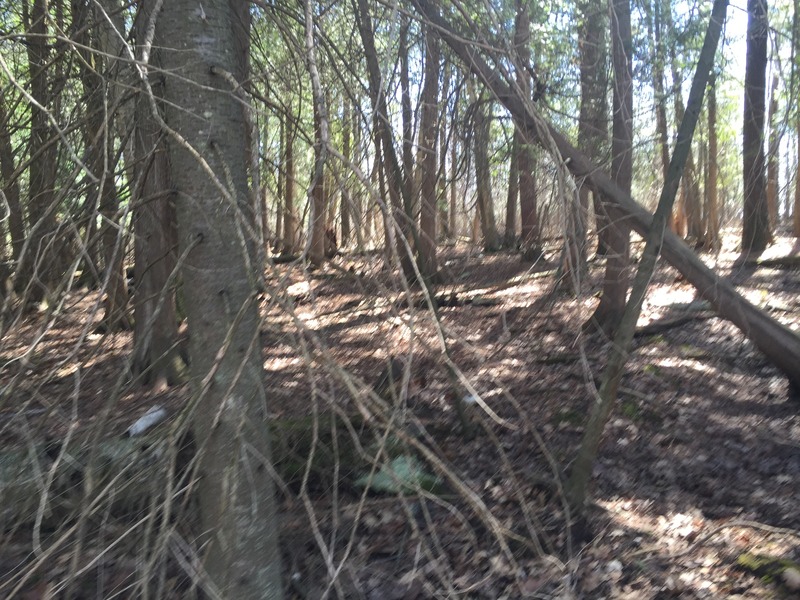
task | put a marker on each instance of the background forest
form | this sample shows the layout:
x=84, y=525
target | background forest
x=369, y=299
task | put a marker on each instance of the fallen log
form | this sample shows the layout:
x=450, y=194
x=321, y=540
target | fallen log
x=778, y=343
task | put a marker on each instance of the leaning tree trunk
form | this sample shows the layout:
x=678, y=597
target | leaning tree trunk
x=711, y=213
x=777, y=342
x=576, y=488
x=235, y=489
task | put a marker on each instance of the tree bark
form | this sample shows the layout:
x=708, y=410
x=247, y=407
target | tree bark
x=317, y=220
x=711, y=227
x=38, y=269
x=755, y=225
x=427, y=162
x=483, y=176
x=615, y=285
x=8, y=171
x=592, y=132
x=396, y=181
x=526, y=161
x=235, y=490
x=155, y=333
x=773, y=156
x=98, y=75
x=510, y=235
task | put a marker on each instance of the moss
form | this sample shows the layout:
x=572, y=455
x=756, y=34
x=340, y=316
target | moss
x=569, y=416
x=768, y=568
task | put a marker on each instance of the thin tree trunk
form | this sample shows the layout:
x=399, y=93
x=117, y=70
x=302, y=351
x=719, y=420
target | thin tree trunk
x=615, y=285
x=397, y=184
x=713, y=240
x=773, y=156
x=526, y=161
x=317, y=221
x=37, y=272
x=155, y=334
x=592, y=132
x=688, y=217
x=576, y=488
x=510, y=236
x=755, y=226
x=8, y=171
x=483, y=177
x=427, y=162
x=345, y=207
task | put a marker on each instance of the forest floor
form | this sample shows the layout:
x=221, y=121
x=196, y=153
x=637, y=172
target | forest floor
x=696, y=492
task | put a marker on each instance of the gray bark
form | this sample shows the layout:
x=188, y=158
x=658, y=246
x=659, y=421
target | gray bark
x=235, y=490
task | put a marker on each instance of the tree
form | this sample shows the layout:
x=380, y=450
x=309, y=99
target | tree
x=576, y=488
x=483, y=175
x=38, y=269
x=235, y=490
x=318, y=223
x=592, y=132
x=427, y=163
x=615, y=285
x=526, y=159
x=99, y=71
x=155, y=334
x=711, y=212
x=755, y=224
x=11, y=191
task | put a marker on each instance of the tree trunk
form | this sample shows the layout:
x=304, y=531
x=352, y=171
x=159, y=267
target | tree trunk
x=773, y=156
x=290, y=228
x=453, y=225
x=101, y=99
x=38, y=270
x=796, y=207
x=155, y=332
x=592, y=130
x=345, y=207
x=235, y=489
x=658, y=58
x=397, y=183
x=483, y=176
x=510, y=236
x=576, y=488
x=755, y=225
x=688, y=217
x=445, y=136
x=317, y=220
x=526, y=161
x=615, y=285
x=712, y=240
x=777, y=342
x=427, y=162
x=8, y=171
